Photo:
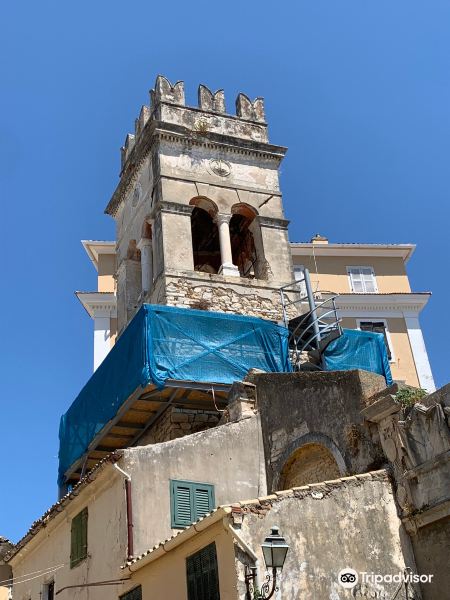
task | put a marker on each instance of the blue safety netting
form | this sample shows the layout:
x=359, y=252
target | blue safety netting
x=356, y=349
x=162, y=343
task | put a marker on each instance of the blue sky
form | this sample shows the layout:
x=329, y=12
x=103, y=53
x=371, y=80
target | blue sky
x=359, y=91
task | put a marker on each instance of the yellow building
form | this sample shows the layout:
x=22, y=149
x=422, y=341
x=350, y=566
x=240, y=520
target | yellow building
x=374, y=294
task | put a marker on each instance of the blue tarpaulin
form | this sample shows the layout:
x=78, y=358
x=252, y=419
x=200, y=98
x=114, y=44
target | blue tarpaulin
x=162, y=343
x=358, y=350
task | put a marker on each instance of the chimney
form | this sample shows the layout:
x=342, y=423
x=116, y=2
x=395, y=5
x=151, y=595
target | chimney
x=319, y=239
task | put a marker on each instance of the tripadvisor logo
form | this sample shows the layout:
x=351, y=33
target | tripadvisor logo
x=348, y=578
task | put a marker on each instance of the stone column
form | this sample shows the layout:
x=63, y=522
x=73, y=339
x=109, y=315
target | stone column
x=146, y=247
x=227, y=268
x=102, y=336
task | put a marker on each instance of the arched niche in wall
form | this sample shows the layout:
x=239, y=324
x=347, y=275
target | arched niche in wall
x=133, y=252
x=310, y=459
x=242, y=242
x=205, y=236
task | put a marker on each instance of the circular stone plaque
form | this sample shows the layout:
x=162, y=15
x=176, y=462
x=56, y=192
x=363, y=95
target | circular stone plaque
x=220, y=167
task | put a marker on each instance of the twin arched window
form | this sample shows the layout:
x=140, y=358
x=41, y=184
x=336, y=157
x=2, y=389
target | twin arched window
x=206, y=240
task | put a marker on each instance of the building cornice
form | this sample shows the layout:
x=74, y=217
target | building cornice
x=398, y=304
x=403, y=251
x=155, y=131
x=94, y=248
x=98, y=302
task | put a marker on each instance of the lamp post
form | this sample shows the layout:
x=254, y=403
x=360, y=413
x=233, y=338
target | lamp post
x=274, y=549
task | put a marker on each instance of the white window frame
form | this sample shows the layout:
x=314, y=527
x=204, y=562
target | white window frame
x=350, y=282
x=388, y=335
x=45, y=587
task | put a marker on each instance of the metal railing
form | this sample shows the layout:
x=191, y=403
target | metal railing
x=316, y=327
x=321, y=323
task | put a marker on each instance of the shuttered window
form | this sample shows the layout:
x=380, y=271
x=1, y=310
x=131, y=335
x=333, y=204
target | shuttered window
x=362, y=280
x=78, y=538
x=377, y=327
x=134, y=594
x=189, y=501
x=203, y=575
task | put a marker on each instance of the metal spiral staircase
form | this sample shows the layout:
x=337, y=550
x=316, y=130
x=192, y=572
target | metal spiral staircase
x=316, y=325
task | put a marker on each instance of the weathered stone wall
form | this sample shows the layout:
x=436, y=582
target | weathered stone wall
x=298, y=409
x=222, y=294
x=432, y=551
x=177, y=155
x=416, y=442
x=329, y=526
x=178, y=422
x=309, y=464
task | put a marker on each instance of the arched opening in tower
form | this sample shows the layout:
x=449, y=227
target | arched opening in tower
x=205, y=241
x=242, y=242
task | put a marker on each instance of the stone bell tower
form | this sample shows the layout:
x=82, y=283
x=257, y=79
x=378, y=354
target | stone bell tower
x=198, y=208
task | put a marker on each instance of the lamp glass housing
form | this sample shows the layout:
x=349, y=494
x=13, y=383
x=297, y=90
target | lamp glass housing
x=274, y=549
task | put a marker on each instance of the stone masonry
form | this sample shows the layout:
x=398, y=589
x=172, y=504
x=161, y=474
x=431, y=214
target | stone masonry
x=178, y=422
x=198, y=209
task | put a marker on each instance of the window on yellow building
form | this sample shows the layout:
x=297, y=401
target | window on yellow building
x=203, y=574
x=134, y=594
x=362, y=280
x=377, y=327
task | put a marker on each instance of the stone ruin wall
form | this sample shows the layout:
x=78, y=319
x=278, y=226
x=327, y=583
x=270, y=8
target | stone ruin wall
x=178, y=422
x=250, y=300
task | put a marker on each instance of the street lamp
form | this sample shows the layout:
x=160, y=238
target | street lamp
x=274, y=549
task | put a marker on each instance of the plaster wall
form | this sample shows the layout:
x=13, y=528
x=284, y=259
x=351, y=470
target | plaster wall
x=345, y=523
x=136, y=207
x=217, y=123
x=402, y=364
x=106, y=270
x=322, y=408
x=194, y=164
x=224, y=192
x=177, y=241
x=331, y=272
x=230, y=456
x=431, y=549
x=107, y=549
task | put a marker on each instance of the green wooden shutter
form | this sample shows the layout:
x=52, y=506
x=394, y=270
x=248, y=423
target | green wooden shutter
x=203, y=575
x=83, y=533
x=78, y=538
x=134, y=594
x=189, y=501
x=181, y=503
x=203, y=500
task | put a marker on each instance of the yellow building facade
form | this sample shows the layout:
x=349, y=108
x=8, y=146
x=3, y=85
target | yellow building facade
x=374, y=294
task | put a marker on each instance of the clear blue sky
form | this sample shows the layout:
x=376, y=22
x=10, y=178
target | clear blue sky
x=358, y=90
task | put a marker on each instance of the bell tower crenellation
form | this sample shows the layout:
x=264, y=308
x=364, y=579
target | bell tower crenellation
x=198, y=208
